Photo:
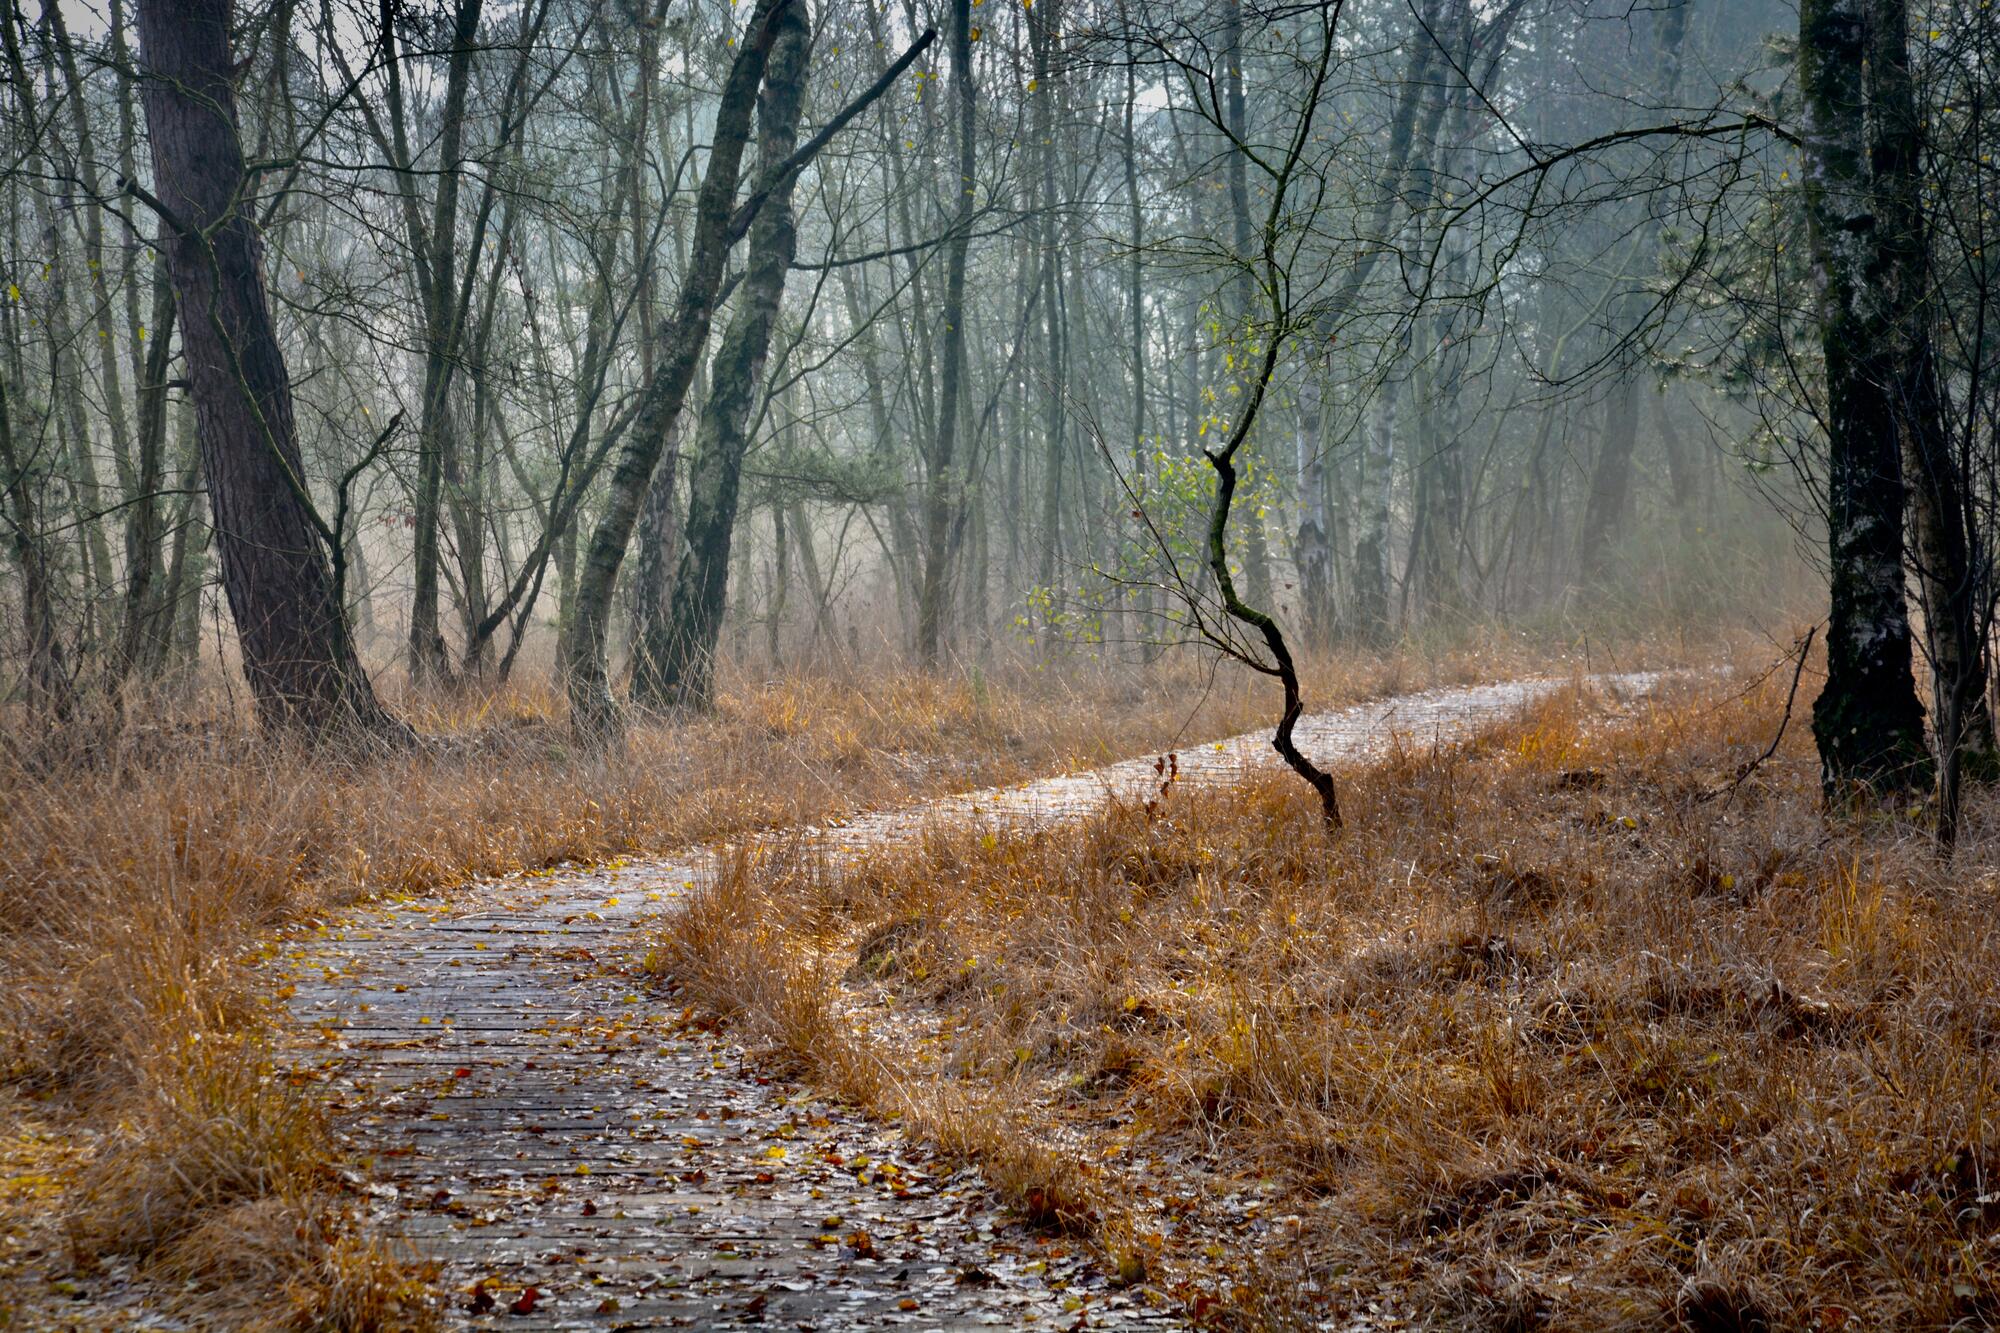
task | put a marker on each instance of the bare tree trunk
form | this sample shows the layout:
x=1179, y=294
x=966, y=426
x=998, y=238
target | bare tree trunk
x=96, y=260
x=297, y=651
x=780, y=589
x=1371, y=551
x=1682, y=482
x=941, y=485
x=659, y=551
x=140, y=637
x=679, y=672
x=594, y=711
x=435, y=275
x=186, y=551
x=1948, y=561
x=1608, y=503
x=1141, y=597
x=48, y=676
x=1256, y=553
x=1315, y=555
x=1867, y=720
x=801, y=529
x=1043, y=30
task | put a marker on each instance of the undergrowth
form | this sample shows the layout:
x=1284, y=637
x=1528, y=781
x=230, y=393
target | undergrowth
x=1578, y=1025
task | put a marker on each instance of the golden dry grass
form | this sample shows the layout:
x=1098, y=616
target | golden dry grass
x=146, y=869
x=1552, y=1036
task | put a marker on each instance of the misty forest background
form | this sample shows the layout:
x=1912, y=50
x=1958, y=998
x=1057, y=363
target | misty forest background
x=1541, y=289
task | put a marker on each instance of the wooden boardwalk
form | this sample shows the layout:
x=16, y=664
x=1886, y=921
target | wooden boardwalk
x=576, y=1151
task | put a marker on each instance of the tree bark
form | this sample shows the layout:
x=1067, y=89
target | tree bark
x=435, y=275
x=594, y=713
x=1044, y=28
x=297, y=650
x=1256, y=552
x=941, y=497
x=1867, y=721
x=1608, y=504
x=1947, y=559
x=1141, y=595
x=679, y=672
x=1315, y=553
x=141, y=639
x=48, y=676
x=1371, y=551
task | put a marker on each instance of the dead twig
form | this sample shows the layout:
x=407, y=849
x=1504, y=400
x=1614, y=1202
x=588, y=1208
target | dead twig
x=1744, y=771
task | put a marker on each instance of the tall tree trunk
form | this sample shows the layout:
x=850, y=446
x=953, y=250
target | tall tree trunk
x=1256, y=553
x=96, y=259
x=1948, y=561
x=1608, y=503
x=941, y=484
x=1315, y=553
x=186, y=550
x=1043, y=31
x=297, y=651
x=48, y=676
x=1371, y=550
x=1141, y=597
x=1867, y=720
x=594, y=713
x=436, y=275
x=1681, y=476
x=140, y=632
x=680, y=671
x=659, y=552
x=780, y=589
x=801, y=528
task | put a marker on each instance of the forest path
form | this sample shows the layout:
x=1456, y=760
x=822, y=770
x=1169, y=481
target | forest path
x=533, y=1116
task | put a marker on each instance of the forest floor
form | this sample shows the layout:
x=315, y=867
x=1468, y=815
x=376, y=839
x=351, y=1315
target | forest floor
x=154, y=867
x=1590, y=1016
x=531, y=1116
x=1593, y=1018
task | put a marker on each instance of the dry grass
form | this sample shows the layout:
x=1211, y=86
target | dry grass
x=144, y=872
x=1551, y=1037
x=147, y=868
